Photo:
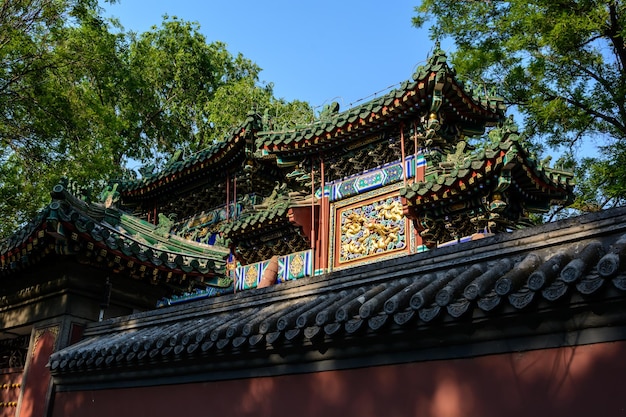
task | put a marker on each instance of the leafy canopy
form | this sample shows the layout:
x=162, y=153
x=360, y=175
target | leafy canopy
x=81, y=98
x=561, y=63
x=36, y=121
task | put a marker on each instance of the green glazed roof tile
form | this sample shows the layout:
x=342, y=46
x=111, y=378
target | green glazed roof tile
x=477, y=165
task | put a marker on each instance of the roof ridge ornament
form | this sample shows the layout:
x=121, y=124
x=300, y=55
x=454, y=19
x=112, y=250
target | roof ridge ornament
x=329, y=110
x=437, y=51
x=110, y=196
x=165, y=224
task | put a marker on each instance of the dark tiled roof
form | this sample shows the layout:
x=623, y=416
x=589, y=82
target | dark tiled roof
x=557, y=267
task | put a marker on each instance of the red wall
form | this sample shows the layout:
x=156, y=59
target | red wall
x=36, y=382
x=580, y=381
x=10, y=386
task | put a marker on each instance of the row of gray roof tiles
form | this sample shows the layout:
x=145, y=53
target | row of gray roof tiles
x=403, y=304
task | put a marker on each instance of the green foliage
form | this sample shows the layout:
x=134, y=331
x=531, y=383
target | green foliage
x=232, y=103
x=80, y=98
x=176, y=75
x=560, y=63
x=36, y=120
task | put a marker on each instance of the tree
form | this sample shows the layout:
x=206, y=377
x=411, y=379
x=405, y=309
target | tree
x=232, y=103
x=561, y=63
x=81, y=98
x=174, y=74
x=184, y=93
x=35, y=119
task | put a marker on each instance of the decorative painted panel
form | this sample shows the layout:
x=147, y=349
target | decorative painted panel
x=290, y=267
x=371, y=180
x=370, y=226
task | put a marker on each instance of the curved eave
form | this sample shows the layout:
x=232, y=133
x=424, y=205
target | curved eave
x=65, y=230
x=187, y=172
x=123, y=255
x=26, y=252
x=459, y=106
x=257, y=224
x=380, y=114
x=534, y=180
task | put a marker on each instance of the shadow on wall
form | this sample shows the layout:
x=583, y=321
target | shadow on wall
x=573, y=381
x=36, y=382
x=582, y=380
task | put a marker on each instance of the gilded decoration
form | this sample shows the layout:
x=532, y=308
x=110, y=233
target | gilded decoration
x=296, y=266
x=372, y=229
x=252, y=275
x=54, y=330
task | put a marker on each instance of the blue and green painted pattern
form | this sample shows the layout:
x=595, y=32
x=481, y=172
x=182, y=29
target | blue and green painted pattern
x=197, y=294
x=290, y=267
x=371, y=180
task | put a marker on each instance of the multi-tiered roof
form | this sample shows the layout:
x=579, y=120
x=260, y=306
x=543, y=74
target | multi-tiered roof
x=242, y=195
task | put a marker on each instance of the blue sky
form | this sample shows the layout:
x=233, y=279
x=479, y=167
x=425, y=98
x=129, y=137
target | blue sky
x=316, y=51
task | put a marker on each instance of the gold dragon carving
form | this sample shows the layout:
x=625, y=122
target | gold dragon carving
x=365, y=234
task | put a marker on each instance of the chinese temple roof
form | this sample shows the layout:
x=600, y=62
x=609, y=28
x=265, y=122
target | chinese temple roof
x=181, y=173
x=99, y=234
x=434, y=88
x=509, y=282
x=494, y=187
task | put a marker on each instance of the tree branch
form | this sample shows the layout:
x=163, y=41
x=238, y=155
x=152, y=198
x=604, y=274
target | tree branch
x=609, y=119
x=614, y=33
x=615, y=92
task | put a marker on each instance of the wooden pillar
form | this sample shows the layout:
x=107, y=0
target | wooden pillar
x=324, y=223
x=420, y=175
x=227, y=195
x=234, y=196
x=313, y=236
x=402, y=152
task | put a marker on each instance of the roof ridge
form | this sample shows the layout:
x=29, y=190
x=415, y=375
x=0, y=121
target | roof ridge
x=536, y=239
